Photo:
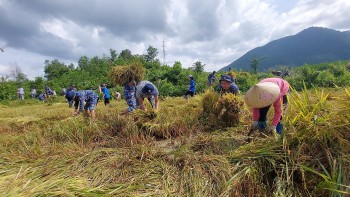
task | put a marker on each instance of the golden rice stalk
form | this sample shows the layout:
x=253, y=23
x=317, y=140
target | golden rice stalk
x=121, y=74
x=230, y=108
x=222, y=110
x=210, y=101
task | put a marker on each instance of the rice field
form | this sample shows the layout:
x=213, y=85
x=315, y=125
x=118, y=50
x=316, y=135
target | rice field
x=181, y=150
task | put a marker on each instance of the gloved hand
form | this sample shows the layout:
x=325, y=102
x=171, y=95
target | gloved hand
x=274, y=132
x=279, y=128
x=262, y=125
x=285, y=109
x=273, y=128
x=130, y=109
x=254, y=125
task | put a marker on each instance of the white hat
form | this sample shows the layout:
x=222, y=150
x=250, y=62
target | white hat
x=262, y=94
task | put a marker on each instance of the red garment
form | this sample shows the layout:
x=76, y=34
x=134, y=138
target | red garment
x=277, y=105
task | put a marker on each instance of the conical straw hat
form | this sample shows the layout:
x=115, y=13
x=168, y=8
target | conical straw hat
x=262, y=94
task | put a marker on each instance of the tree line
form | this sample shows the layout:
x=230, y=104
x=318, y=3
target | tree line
x=170, y=80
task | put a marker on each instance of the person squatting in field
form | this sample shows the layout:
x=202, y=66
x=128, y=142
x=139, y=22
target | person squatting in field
x=191, y=90
x=269, y=87
x=87, y=97
x=129, y=94
x=70, y=93
x=146, y=89
x=42, y=97
x=227, y=85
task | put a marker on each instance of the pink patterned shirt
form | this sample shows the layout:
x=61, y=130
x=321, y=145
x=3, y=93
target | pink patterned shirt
x=277, y=105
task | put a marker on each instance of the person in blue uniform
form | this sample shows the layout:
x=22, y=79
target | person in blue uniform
x=191, y=90
x=70, y=93
x=227, y=85
x=86, y=100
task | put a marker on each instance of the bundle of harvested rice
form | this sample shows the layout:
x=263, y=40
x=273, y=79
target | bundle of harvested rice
x=122, y=74
x=221, y=110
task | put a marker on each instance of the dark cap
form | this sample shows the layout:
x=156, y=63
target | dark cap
x=226, y=78
x=148, y=89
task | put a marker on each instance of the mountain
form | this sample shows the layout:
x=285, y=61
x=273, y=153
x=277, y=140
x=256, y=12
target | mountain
x=311, y=46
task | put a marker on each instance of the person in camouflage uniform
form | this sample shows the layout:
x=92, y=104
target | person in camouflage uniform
x=87, y=100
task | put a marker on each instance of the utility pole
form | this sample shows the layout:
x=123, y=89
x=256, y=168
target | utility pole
x=164, y=53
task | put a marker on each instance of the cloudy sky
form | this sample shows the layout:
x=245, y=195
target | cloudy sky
x=215, y=32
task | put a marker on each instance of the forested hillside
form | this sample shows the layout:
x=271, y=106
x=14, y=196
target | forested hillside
x=311, y=46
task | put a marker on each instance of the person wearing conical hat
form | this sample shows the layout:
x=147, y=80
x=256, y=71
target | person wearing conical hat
x=269, y=91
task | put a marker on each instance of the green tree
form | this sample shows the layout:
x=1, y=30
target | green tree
x=126, y=54
x=83, y=62
x=198, y=67
x=254, y=63
x=151, y=54
x=71, y=66
x=174, y=74
x=113, y=54
x=54, y=69
x=18, y=74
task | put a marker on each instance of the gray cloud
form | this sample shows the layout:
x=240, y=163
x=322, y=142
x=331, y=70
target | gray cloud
x=215, y=32
x=130, y=19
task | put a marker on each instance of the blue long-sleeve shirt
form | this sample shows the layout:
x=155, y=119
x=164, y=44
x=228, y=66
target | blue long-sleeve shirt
x=70, y=93
x=192, y=87
x=82, y=96
x=232, y=89
x=106, y=92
